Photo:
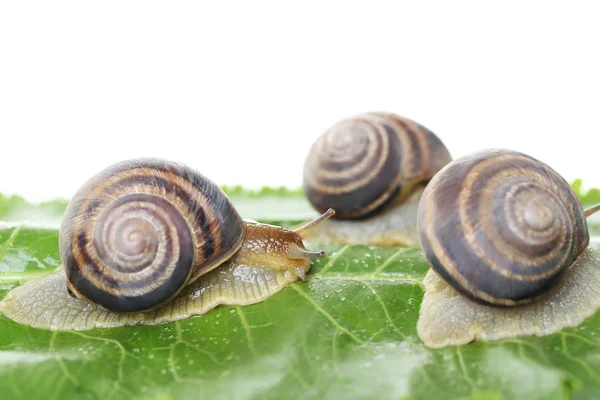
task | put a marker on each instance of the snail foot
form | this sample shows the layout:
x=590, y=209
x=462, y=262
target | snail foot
x=448, y=318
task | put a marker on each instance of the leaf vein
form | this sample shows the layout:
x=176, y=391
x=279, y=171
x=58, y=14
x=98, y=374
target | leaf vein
x=326, y=314
x=334, y=257
x=247, y=329
x=9, y=242
x=389, y=260
x=463, y=368
x=385, y=310
x=122, y=351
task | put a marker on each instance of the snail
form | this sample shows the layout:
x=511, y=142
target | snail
x=149, y=241
x=507, y=241
x=372, y=169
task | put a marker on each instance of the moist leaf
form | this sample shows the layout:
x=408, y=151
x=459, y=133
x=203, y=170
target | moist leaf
x=349, y=331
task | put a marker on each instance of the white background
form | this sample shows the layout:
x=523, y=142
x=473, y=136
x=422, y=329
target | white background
x=239, y=90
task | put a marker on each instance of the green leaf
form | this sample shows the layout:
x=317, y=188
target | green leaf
x=17, y=209
x=589, y=198
x=349, y=332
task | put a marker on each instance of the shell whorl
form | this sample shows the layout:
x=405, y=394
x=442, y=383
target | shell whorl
x=136, y=233
x=501, y=227
x=360, y=163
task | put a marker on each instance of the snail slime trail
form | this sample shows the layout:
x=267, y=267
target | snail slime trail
x=372, y=169
x=507, y=241
x=150, y=241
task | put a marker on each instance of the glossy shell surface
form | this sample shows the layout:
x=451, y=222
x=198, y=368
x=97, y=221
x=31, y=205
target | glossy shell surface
x=501, y=227
x=136, y=233
x=359, y=164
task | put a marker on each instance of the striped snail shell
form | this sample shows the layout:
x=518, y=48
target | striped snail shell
x=359, y=164
x=138, y=232
x=501, y=227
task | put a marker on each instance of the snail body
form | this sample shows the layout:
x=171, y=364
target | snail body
x=505, y=236
x=369, y=168
x=149, y=241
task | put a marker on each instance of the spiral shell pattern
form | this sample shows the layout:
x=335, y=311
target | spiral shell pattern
x=501, y=227
x=360, y=163
x=136, y=233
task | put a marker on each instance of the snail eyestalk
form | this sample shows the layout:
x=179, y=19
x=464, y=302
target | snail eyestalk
x=298, y=252
x=590, y=211
x=305, y=230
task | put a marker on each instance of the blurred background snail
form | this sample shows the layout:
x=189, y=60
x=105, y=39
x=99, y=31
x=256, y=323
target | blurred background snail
x=150, y=241
x=507, y=241
x=372, y=169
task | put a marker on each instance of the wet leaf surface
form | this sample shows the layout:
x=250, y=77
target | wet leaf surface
x=348, y=332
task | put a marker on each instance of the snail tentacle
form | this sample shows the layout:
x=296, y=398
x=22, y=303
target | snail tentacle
x=305, y=230
x=591, y=211
x=298, y=252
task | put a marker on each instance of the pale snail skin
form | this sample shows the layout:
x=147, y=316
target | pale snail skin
x=150, y=241
x=507, y=241
x=372, y=169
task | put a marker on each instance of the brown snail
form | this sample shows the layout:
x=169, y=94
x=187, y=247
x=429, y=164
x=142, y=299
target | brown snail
x=149, y=241
x=507, y=241
x=372, y=169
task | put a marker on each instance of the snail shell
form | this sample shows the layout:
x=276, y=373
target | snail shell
x=501, y=227
x=138, y=232
x=507, y=241
x=372, y=168
x=360, y=163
